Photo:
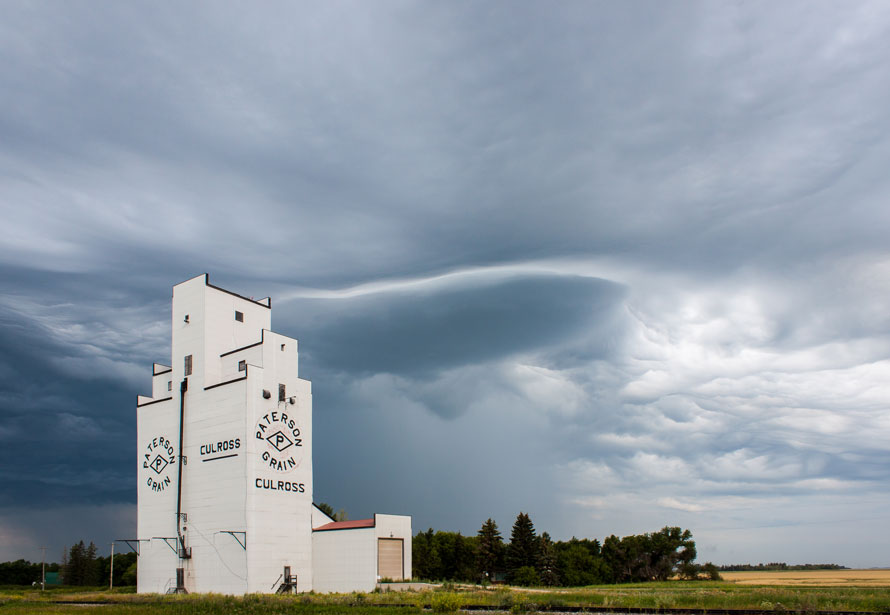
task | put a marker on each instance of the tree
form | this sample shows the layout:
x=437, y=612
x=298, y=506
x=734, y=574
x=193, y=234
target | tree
x=671, y=548
x=19, y=572
x=122, y=563
x=425, y=556
x=526, y=576
x=129, y=576
x=91, y=570
x=327, y=509
x=490, y=550
x=650, y=557
x=712, y=572
x=523, y=549
x=577, y=565
x=80, y=566
x=463, y=558
x=547, y=561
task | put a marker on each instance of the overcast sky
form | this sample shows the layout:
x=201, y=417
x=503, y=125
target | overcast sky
x=617, y=265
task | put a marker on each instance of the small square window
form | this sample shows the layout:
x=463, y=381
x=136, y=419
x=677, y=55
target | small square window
x=188, y=365
x=281, y=392
x=239, y=316
x=169, y=385
x=242, y=366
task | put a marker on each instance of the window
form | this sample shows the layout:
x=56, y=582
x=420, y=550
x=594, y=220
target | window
x=281, y=392
x=239, y=316
x=169, y=385
x=242, y=366
x=188, y=365
x=282, y=347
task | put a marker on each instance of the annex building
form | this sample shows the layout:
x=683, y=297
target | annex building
x=224, y=455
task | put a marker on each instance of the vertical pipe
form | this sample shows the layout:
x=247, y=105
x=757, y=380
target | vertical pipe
x=183, y=387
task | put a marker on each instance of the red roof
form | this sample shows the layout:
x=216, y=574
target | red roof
x=345, y=525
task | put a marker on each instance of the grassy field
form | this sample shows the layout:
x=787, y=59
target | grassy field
x=823, y=578
x=770, y=592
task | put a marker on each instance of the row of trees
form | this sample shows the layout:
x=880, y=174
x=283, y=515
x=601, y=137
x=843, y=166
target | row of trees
x=780, y=566
x=81, y=566
x=23, y=572
x=529, y=559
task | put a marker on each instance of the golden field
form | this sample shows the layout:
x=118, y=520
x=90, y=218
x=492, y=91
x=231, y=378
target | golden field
x=810, y=578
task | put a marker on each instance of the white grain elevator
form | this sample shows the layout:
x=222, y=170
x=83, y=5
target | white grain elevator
x=224, y=465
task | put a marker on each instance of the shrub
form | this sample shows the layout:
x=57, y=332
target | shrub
x=446, y=602
x=526, y=576
x=523, y=606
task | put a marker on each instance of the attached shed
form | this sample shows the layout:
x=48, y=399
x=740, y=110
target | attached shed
x=356, y=555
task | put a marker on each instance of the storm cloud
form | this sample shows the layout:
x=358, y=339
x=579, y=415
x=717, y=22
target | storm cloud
x=618, y=266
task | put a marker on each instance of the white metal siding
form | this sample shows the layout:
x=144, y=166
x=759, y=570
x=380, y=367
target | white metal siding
x=344, y=560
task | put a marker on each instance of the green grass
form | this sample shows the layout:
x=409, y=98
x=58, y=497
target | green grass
x=675, y=594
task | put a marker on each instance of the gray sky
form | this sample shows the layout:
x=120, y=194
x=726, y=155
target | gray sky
x=616, y=265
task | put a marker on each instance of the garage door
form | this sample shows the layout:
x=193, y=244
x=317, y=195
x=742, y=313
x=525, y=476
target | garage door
x=389, y=558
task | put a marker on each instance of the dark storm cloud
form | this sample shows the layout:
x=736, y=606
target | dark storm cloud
x=421, y=333
x=62, y=434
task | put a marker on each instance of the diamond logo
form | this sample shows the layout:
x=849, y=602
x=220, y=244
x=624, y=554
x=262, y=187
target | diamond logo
x=280, y=441
x=158, y=464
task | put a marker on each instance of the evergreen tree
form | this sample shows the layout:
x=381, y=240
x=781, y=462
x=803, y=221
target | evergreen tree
x=63, y=567
x=80, y=565
x=91, y=570
x=523, y=549
x=547, y=561
x=490, y=551
x=72, y=573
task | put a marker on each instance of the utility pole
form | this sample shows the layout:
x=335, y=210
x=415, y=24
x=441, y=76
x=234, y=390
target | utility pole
x=43, y=570
x=111, y=576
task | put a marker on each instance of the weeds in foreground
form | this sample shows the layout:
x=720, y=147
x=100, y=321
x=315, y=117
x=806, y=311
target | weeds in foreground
x=448, y=599
x=446, y=602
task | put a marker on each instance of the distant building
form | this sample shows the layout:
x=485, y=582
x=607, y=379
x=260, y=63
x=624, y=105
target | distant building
x=53, y=578
x=224, y=454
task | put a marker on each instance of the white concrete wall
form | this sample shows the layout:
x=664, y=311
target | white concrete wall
x=223, y=333
x=252, y=356
x=157, y=437
x=279, y=489
x=161, y=383
x=188, y=337
x=214, y=488
x=345, y=560
x=319, y=517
